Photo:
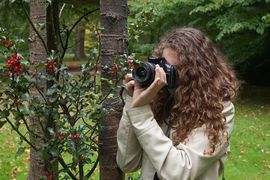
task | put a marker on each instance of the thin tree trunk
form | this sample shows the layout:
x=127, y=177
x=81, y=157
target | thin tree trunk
x=37, y=53
x=53, y=44
x=113, y=42
x=79, y=43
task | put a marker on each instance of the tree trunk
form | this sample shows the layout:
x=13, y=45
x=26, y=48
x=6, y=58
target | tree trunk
x=113, y=42
x=79, y=43
x=53, y=44
x=37, y=53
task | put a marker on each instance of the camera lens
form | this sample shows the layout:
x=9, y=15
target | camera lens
x=141, y=72
x=144, y=74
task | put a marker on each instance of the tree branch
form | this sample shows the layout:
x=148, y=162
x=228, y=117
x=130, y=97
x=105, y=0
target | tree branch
x=68, y=32
x=34, y=27
x=26, y=124
x=93, y=168
x=62, y=162
x=20, y=134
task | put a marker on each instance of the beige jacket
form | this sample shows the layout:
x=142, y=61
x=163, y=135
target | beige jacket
x=142, y=143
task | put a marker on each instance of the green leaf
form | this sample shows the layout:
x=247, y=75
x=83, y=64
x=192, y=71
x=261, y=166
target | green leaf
x=41, y=26
x=4, y=113
x=2, y=37
x=2, y=123
x=25, y=96
x=52, y=99
x=20, y=151
x=266, y=18
x=260, y=30
x=63, y=68
x=51, y=130
x=43, y=154
x=54, y=152
x=51, y=91
x=25, y=62
x=19, y=41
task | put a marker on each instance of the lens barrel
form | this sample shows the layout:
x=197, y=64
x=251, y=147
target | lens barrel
x=144, y=74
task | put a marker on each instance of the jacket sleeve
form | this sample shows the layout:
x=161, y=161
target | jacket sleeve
x=129, y=152
x=170, y=162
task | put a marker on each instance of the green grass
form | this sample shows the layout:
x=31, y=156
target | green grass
x=11, y=167
x=70, y=58
x=250, y=142
x=250, y=149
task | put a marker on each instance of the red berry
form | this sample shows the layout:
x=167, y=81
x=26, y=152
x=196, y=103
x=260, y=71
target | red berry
x=76, y=136
x=113, y=67
x=97, y=34
x=16, y=102
x=63, y=136
x=130, y=61
x=70, y=136
x=7, y=43
x=119, y=67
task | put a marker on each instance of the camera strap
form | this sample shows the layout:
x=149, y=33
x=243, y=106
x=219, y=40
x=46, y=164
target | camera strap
x=156, y=177
x=121, y=93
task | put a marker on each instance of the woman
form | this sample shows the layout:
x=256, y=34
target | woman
x=182, y=133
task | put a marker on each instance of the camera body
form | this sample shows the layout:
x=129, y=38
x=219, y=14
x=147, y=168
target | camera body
x=145, y=74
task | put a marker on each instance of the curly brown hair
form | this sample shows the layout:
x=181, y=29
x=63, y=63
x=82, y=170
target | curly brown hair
x=206, y=82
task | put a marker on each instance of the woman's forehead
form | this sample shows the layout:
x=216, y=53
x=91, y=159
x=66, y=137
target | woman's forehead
x=171, y=56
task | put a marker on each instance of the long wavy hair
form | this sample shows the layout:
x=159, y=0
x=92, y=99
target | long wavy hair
x=206, y=82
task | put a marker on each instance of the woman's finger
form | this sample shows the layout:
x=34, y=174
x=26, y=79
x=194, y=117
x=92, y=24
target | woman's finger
x=130, y=84
x=160, y=75
x=128, y=77
x=130, y=87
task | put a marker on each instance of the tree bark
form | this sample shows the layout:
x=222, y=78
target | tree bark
x=53, y=43
x=37, y=53
x=53, y=29
x=113, y=42
x=79, y=43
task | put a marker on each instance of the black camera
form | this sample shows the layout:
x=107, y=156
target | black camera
x=145, y=74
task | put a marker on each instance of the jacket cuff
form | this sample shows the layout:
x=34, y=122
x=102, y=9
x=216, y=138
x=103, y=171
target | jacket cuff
x=141, y=118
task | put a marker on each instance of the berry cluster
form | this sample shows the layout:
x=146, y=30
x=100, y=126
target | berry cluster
x=75, y=136
x=14, y=64
x=116, y=68
x=63, y=136
x=51, y=66
x=123, y=69
x=7, y=43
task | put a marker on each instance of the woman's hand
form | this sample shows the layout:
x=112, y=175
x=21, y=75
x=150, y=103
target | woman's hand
x=129, y=84
x=142, y=96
